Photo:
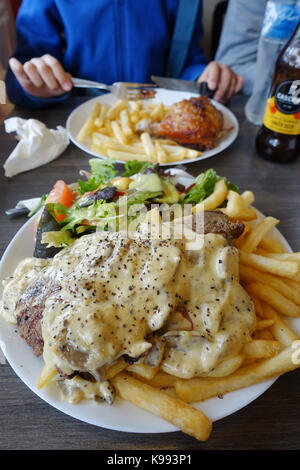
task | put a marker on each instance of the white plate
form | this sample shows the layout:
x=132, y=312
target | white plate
x=80, y=114
x=121, y=416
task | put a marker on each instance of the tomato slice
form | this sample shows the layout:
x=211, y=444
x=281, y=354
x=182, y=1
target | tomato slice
x=63, y=194
x=189, y=187
x=120, y=193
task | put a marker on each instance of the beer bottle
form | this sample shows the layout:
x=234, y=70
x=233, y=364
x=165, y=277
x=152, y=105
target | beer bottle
x=278, y=139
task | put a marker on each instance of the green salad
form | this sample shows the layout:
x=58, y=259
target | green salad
x=104, y=199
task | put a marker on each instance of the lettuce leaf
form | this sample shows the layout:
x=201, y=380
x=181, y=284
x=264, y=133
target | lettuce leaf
x=100, y=214
x=38, y=206
x=58, y=239
x=103, y=168
x=139, y=197
x=75, y=214
x=103, y=171
x=134, y=166
x=204, y=186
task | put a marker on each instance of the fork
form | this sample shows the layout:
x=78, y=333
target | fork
x=121, y=90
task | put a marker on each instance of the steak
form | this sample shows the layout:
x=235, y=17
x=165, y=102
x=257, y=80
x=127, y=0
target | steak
x=31, y=306
x=29, y=325
x=217, y=222
x=32, y=302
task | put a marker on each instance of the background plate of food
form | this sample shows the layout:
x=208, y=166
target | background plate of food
x=257, y=268
x=194, y=129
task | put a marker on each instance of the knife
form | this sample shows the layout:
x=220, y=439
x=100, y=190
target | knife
x=183, y=85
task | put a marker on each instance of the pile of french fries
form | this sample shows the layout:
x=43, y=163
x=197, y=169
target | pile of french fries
x=271, y=276
x=110, y=131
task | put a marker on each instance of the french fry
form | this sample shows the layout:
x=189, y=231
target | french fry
x=99, y=149
x=46, y=376
x=248, y=198
x=162, y=156
x=99, y=137
x=226, y=367
x=280, y=256
x=116, y=145
x=148, y=146
x=98, y=122
x=157, y=112
x=258, y=233
x=115, y=368
x=215, y=199
x=161, y=380
x=103, y=112
x=188, y=419
x=191, y=153
x=172, y=149
x=118, y=132
x=293, y=283
x=235, y=204
x=259, y=349
x=115, y=109
x=257, y=306
x=262, y=324
x=167, y=141
x=264, y=334
x=239, y=241
x=280, y=330
x=200, y=389
x=284, y=286
x=274, y=298
x=271, y=245
x=134, y=117
x=88, y=125
x=125, y=123
x=126, y=156
x=270, y=265
x=237, y=209
x=246, y=215
x=178, y=155
x=133, y=105
x=143, y=370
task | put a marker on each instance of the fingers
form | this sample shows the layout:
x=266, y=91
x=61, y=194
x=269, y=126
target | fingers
x=231, y=90
x=224, y=85
x=239, y=83
x=18, y=70
x=46, y=73
x=223, y=79
x=42, y=76
x=33, y=74
x=59, y=73
x=211, y=75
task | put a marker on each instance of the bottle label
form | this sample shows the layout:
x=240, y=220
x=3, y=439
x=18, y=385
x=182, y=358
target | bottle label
x=282, y=112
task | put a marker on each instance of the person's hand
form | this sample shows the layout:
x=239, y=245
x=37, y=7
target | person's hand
x=43, y=77
x=221, y=78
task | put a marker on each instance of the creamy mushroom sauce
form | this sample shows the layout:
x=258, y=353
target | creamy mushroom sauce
x=115, y=290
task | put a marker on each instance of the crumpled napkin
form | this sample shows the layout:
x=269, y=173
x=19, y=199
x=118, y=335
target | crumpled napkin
x=38, y=145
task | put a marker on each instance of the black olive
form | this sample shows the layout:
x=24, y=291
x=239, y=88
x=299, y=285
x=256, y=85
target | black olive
x=180, y=187
x=107, y=194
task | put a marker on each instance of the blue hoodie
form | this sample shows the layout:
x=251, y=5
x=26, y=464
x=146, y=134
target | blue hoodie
x=103, y=40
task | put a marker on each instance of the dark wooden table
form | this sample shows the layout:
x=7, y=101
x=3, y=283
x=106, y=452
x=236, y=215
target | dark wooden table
x=270, y=422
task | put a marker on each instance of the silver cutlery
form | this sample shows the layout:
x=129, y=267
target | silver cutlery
x=121, y=90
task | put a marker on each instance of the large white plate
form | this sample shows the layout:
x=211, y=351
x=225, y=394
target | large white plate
x=121, y=416
x=80, y=114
